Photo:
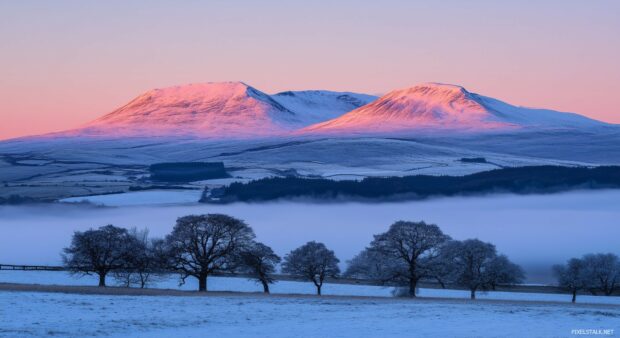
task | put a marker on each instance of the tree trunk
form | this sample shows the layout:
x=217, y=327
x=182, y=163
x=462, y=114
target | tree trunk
x=265, y=286
x=202, y=283
x=102, y=279
x=472, y=294
x=574, y=295
x=318, y=289
x=413, y=284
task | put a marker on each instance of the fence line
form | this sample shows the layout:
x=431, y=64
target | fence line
x=32, y=267
x=339, y=280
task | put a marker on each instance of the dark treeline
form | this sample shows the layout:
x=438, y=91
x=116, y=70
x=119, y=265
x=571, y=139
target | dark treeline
x=200, y=246
x=18, y=199
x=533, y=179
x=187, y=171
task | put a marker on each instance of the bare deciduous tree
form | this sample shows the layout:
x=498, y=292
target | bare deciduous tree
x=98, y=251
x=367, y=264
x=571, y=276
x=604, y=272
x=469, y=263
x=405, y=254
x=200, y=245
x=502, y=271
x=260, y=261
x=312, y=261
x=146, y=258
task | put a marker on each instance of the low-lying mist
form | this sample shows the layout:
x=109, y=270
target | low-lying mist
x=534, y=230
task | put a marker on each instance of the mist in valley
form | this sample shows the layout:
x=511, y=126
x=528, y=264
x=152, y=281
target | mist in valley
x=535, y=231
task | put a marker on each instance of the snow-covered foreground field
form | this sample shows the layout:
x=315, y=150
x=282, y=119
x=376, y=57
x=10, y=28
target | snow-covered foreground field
x=293, y=287
x=28, y=314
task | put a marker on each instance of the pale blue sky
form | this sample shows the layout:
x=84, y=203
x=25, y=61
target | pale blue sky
x=66, y=62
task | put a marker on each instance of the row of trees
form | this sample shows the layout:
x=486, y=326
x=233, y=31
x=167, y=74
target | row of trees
x=198, y=246
x=594, y=273
x=201, y=245
x=410, y=252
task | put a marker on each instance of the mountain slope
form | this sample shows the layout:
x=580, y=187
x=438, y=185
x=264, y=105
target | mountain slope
x=314, y=106
x=234, y=110
x=220, y=110
x=433, y=106
x=227, y=109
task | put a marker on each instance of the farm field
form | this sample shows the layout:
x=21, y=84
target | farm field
x=35, y=314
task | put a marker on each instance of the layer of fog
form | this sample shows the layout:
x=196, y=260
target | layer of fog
x=535, y=230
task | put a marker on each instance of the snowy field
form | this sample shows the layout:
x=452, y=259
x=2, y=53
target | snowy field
x=62, y=168
x=26, y=314
x=293, y=287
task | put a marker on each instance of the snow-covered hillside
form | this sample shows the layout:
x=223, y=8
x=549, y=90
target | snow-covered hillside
x=436, y=107
x=234, y=110
x=426, y=129
x=219, y=110
x=210, y=110
x=314, y=106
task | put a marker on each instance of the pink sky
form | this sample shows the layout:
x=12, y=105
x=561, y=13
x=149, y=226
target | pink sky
x=63, y=63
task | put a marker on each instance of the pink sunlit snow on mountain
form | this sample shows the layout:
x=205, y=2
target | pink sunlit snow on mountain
x=236, y=110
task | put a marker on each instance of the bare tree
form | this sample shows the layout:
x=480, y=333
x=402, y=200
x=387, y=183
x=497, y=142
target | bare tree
x=604, y=272
x=367, y=264
x=502, y=271
x=470, y=261
x=98, y=251
x=200, y=245
x=572, y=276
x=312, y=261
x=405, y=254
x=146, y=259
x=260, y=261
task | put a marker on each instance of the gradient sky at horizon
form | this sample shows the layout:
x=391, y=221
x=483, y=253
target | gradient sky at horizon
x=63, y=63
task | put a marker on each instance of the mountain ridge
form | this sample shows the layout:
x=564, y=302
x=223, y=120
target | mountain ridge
x=235, y=110
x=437, y=106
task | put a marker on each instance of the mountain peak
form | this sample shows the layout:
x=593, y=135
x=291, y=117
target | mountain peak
x=424, y=106
x=214, y=109
x=437, y=106
x=183, y=95
x=435, y=87
x=433, y=91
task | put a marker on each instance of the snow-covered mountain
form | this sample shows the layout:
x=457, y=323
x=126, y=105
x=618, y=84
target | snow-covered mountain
x=315, y=106
x=434, y=106
x=220, y=110
x=257, y=135
x=211, y=110
x=235, y=110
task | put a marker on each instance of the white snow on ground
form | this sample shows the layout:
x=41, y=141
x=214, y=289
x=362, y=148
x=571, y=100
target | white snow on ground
x=149, y=197
x=27, y=314
x=292, y=287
